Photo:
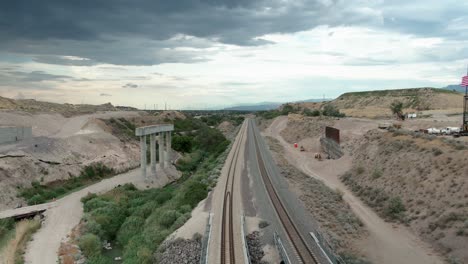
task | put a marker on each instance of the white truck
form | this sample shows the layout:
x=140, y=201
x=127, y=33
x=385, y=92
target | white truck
x=433, y=131
x=450, y=130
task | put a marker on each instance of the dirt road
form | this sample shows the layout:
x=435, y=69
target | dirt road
x=66, y=213
x=387, y=243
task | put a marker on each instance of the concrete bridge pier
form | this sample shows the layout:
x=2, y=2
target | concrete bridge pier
x=168, y=148
x=143, y=156
x=161, y=134
x=153, y=153
x=161, y=149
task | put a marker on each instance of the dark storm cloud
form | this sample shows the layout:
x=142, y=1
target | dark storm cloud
x=141, y=32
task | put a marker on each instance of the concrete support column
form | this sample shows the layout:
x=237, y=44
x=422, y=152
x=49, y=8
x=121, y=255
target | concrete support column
x=161, y=149
x=143, y=156
x=153, y=153
x=168, y=147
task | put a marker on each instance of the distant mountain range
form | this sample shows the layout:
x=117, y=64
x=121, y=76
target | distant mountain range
x=455, y=87
x=265, y=106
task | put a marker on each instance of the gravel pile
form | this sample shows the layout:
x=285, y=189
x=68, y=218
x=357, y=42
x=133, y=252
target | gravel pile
x=179, y=251
x=255, y=248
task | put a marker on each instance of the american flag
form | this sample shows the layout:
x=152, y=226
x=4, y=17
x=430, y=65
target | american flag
x=464, y=81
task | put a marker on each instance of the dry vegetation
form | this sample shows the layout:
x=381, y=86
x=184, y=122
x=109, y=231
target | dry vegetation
x=342, y=228
x=14, y=250
x=376, y=103
x=418, y=180
x=67, y=110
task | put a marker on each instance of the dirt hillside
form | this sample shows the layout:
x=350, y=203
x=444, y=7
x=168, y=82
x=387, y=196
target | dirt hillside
x=377, y=103
x=68, y=110
x=374, y=104
x=62, y=146
x=418, y=180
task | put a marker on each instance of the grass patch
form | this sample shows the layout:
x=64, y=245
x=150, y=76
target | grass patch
x=40, y=193
x=14, y=251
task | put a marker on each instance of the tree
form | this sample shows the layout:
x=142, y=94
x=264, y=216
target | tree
x=397, y=109
x=331, y=110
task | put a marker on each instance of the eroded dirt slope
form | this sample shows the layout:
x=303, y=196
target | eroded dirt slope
x=419, y=180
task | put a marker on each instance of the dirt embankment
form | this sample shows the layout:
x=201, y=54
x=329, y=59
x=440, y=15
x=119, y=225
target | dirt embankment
x=68, y=110
x=302, y=127
x=342, y=228
x=62, y=146
x=377, y=103
x=418, y=180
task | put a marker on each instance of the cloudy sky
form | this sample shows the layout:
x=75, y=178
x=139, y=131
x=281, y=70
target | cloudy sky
x=205, y=53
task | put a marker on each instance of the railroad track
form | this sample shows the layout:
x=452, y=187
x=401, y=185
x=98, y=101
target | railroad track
x=303, y=252
x=227, y=226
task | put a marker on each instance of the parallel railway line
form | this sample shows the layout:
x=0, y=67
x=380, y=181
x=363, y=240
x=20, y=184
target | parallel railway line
x=304, y=253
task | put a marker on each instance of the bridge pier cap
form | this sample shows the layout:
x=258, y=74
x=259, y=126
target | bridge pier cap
x=149, y=130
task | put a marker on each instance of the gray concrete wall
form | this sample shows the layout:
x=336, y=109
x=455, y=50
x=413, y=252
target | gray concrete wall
x=331, y=147
x=14, y=134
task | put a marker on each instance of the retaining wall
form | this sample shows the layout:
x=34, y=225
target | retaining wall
x=14, y=134
x=331, y=148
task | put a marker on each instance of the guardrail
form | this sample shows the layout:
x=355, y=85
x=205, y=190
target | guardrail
x=325, y=247
x=244, y=242
x=206, y=241
x=281, y=249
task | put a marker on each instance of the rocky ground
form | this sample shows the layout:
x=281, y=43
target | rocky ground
x=255, y=246
x=179, y=251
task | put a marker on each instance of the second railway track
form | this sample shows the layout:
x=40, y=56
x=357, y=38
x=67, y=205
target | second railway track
x=301, y=248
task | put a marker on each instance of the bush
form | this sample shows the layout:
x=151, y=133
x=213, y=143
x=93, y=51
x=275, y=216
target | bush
x=132, y=225
x=394, y=208
x=168, y=218
x=6, y=225
x=99, y=259
x=195, y=192
x=90, y=245
x=360, y=170
x=263, y=224
x=376, y=174
x=182, y=143
x=36, y=199
x=331, y=110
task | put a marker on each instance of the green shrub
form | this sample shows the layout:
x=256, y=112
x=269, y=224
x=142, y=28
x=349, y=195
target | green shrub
x=132, y=225
x=195, y=192
x=394, y=208
x=168, y=218
x=360, y=170
x=182, y=143
x=90, y=245
x=263, y=224
x=6, y=225
x=331, y=110
x=36, y=199
x=99, y=259
x=376, y=173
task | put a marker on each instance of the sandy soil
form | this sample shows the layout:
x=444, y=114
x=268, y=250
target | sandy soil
x=386, y=243
x=60, y=147
x=68, y=211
